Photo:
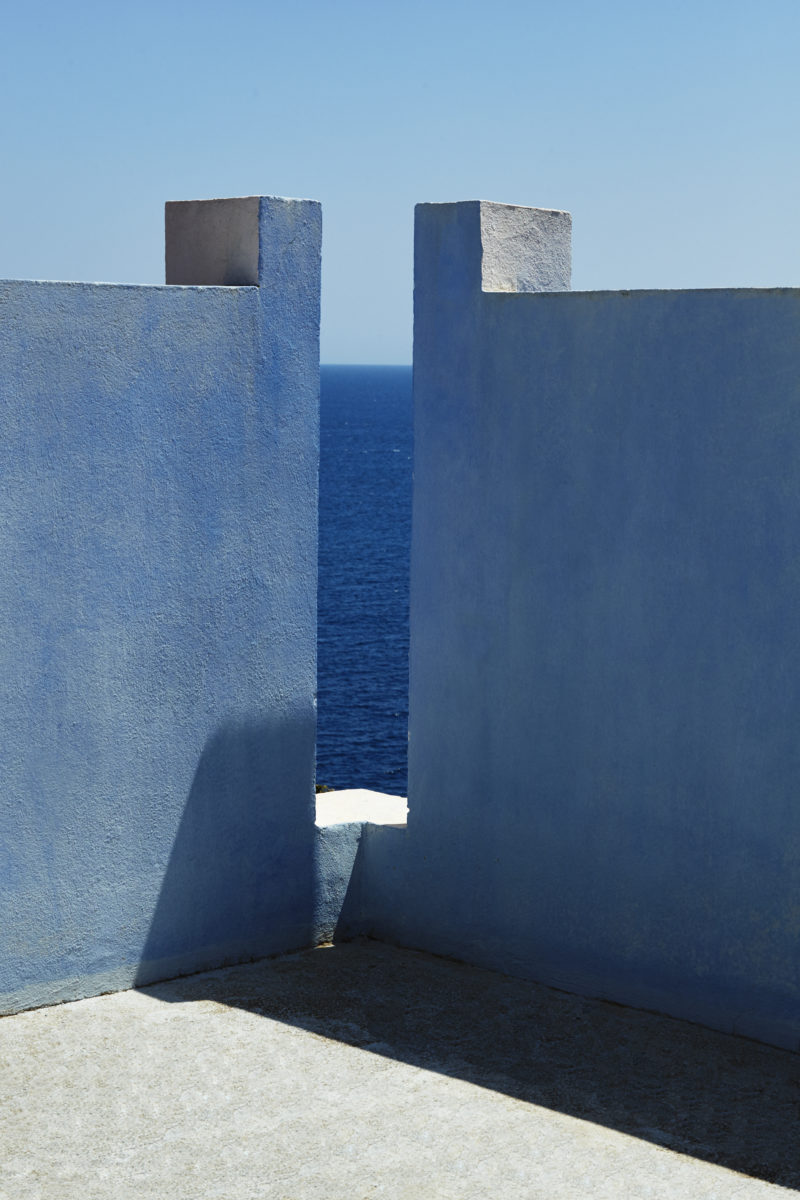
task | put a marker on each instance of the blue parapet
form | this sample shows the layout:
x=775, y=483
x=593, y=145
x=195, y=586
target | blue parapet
x=158, y=522
x=605, y=649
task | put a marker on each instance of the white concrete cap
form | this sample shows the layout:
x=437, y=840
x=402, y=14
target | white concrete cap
x=475, y=246
x=525, y=249
x=359, y=804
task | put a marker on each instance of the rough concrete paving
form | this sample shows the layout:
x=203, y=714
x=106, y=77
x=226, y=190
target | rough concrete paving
x=363, y=1071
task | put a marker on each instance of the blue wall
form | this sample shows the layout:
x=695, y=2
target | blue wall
x=157, y=619
x=605, y=652
x=604, y=765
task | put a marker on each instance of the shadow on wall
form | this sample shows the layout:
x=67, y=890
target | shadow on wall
x=239, y=881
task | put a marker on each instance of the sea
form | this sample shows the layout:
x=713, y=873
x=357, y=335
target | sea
x=364, y=547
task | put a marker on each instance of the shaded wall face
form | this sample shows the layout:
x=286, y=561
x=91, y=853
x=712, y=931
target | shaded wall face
x=605, y=652
x=157, y=631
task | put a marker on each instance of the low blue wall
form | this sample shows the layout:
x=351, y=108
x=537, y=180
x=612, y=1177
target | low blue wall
x=158, y=608
x=605, y=646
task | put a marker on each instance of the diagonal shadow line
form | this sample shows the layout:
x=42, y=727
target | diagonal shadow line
x=239, y=881
x=713, y=1096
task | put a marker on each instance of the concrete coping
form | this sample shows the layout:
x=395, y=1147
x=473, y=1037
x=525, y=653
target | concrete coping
x=212, y=242
x=362, y=806
x=480, y=245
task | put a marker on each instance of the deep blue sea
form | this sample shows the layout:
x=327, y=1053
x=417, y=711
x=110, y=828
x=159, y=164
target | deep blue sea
x=364, y=544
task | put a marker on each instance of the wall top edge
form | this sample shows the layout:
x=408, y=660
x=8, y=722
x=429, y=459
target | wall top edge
x=256, y=196
x=489, y=204
x=131, y=287
x=600, y=293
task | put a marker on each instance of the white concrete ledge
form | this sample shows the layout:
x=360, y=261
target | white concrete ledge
x=360, y=805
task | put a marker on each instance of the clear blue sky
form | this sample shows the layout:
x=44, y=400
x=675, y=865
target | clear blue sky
x=670, y=130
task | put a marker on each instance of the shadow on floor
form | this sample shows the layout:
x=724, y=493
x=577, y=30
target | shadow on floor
x=723, y=1099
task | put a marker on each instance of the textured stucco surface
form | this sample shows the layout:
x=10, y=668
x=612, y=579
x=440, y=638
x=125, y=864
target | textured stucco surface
x=525, y=249
x=343, y=882
x=605, y=652
x=361, y=1071
x=157, y=621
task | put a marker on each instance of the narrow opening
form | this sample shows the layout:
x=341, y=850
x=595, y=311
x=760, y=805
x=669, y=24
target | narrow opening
x=364, y=551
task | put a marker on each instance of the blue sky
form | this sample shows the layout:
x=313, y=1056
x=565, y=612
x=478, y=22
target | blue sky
x=670, y=131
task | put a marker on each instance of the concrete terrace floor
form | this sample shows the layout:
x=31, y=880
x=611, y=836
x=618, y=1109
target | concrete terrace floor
x=362, y=1070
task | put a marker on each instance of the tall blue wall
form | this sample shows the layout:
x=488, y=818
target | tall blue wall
x=157, y=610
x=604, y=766
x=605, y=656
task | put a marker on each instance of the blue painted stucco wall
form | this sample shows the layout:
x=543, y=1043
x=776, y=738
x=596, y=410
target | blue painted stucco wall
x=605, y=656
x=158, y=612
x=604, y=764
